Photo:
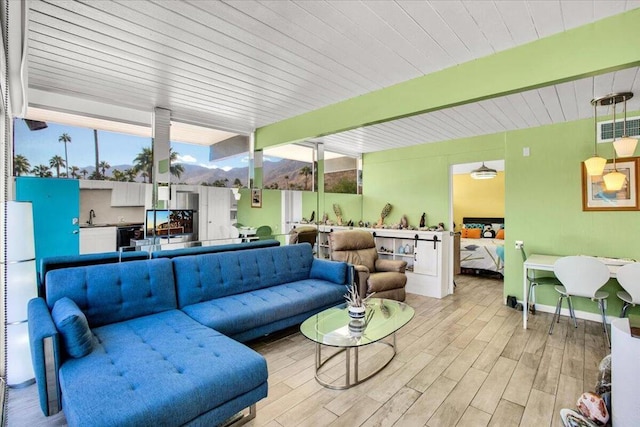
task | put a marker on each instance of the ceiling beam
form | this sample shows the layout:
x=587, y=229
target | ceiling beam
x=603, y=46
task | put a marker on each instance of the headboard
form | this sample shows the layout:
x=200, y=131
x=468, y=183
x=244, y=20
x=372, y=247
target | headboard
x=482, y=220
x=494, y=224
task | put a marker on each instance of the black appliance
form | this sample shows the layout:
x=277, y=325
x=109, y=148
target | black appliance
x=127, y=233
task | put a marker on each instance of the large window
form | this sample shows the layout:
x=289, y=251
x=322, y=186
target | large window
x=293, y=167
x=75, y=152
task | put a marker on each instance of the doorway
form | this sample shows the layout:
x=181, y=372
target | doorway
x=477, y=209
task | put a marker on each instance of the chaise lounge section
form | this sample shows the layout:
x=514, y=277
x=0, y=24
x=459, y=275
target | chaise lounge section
x=160, y=343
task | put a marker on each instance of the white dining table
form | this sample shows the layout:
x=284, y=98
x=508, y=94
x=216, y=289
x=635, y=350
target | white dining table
x=545, y=263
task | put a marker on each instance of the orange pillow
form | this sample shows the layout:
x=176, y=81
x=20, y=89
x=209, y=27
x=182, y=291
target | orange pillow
x=500, y=234
x=471, y=233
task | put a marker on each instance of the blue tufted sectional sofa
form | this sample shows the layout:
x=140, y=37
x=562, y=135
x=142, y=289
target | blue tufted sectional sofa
x=159, y=342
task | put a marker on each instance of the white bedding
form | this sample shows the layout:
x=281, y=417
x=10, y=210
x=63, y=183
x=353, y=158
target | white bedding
x=482, y=254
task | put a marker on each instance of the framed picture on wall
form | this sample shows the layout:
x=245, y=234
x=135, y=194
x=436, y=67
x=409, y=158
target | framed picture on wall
x=256, y=198
x=595, y=196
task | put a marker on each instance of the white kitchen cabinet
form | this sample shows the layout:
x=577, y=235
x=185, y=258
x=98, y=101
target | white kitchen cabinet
x=95, y=184
x=128, y=194
x=426, y=254
x=97, y=239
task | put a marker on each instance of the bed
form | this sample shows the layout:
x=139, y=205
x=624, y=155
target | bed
x=482, y=246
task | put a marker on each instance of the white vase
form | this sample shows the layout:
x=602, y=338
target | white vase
x=356, y=312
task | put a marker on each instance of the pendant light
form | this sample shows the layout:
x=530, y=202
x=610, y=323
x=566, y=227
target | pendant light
x=625, y=146
x=614, y=181
x=595, y=164
x=483, y=172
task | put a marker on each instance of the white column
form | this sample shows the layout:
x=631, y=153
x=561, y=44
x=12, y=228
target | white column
x=19, y=268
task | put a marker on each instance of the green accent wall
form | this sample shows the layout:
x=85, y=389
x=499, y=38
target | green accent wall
x=350, y=206
x=269, y=214
x=416, y=179
x=597, y=48
x=544, y=207
x=543, y=196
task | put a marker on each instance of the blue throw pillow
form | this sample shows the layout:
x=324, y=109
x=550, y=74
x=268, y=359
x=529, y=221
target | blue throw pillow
x=73, y=326
x=332, y=271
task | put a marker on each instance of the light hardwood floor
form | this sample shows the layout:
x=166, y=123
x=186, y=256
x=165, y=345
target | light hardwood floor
x=462, y=361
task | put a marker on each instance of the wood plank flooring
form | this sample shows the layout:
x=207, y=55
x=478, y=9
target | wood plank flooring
x=462, y=361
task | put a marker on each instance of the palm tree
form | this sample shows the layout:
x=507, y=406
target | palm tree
x=306, y=171
x=84, y=173
x=57, y=162
x=118, y=175
x=237, y=183
x=95, y=143
x=103, y=167
x=20, y=165
x=74, y=172
x=177, y=169
x=144, y=163
x=41, y=171
x=131, y=174
x=65, y=138
x=286, y=180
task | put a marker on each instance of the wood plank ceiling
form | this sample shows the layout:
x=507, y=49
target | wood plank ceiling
x=238, y=65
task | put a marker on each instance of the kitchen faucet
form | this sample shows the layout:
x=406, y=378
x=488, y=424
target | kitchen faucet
x=92, y=215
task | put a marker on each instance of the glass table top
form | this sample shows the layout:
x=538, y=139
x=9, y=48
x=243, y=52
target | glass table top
x=334, y=327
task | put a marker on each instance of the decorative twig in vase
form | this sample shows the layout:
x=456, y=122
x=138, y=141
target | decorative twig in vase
x=356, y=305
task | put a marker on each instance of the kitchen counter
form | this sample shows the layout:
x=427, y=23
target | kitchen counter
x=115, y=224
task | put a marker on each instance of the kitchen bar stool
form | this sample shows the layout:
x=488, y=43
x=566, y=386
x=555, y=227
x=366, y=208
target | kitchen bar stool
x=581, y=276
x=629, y=278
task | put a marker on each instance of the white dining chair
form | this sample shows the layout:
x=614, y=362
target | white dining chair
x=629, y=278
x=581, y=276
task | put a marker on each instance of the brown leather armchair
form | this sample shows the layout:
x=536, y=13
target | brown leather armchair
x=303, y=234
x=385, y=277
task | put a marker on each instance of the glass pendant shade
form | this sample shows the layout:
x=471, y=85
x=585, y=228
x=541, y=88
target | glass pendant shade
x=595, y=165
x=614, y=181
x=483, y=172
x=625, y=146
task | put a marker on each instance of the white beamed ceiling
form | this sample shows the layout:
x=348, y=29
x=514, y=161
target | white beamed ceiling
x=239, y=65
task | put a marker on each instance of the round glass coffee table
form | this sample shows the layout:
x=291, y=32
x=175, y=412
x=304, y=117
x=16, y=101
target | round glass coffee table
x=334, y=328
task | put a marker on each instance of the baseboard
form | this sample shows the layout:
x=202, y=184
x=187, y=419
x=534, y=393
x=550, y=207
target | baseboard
x=585, y=315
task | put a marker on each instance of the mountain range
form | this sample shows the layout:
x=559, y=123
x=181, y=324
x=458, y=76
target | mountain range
x=274, y=173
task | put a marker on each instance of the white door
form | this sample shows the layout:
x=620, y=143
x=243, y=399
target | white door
x=426, y=258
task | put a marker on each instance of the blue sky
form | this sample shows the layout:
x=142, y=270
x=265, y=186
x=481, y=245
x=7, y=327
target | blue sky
x=39, y=146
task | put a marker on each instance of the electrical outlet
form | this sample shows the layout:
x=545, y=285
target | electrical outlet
x=519, y=244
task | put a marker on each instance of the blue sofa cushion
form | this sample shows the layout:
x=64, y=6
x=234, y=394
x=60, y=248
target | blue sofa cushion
x=112, y=293
x=206, y=277
x=162, y=369
x=331, y=271
x=242, y=312
x=72, y=325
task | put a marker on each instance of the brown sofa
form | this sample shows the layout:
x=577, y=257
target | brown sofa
x=383, y=276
